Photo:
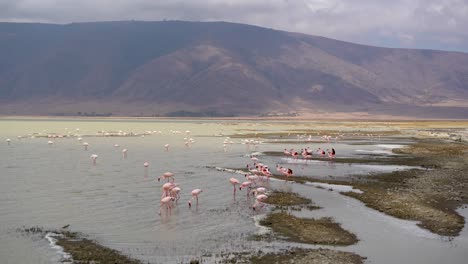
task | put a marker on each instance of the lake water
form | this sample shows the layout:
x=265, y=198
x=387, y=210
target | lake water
x=116, y=202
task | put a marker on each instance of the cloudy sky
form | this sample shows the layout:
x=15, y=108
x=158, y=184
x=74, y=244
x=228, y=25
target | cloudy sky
x=434, y=24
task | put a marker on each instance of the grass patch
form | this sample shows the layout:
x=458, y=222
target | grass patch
x=286, y=199
x=308, y=256
x=311, y=231
x=427, y=196
x=84, y=250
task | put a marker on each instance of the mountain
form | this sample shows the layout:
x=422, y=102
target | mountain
x=217, y=69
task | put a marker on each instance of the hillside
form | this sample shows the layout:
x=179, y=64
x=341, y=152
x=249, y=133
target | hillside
x=217, y=69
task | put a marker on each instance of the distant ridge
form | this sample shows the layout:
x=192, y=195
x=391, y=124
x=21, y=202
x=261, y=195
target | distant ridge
x=177, y=68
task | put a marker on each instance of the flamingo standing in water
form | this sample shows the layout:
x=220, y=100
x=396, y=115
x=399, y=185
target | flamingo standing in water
x=166, y=202
x=259, y=199
x=85, y=145
x=94, y=158
x=167, y=175
x=252, y=178
x=166, y=147
x=259, y=190
x=195, y=194
x=234, y=182
x=50, y=142
x=167, y=187
x=175, y=193
x=8, y=141
x=124, y=153
x=245, y=185
x=146, y=164
x=332, y=153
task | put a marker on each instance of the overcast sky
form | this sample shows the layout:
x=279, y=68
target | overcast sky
x=434, y=24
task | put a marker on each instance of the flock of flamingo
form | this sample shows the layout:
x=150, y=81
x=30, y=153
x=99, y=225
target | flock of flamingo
x=253, y=184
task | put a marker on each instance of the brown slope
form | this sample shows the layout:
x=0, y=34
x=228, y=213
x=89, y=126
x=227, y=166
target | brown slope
x=422, y=77
x=159, y=67
x=209, y=77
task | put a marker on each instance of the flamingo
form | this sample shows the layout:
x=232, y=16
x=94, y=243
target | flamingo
x=167, y=175
x=175, y=193
x=8, y=141
x=167, y=187
x=259, y=199
x=244, y=185
x=50, y=142
x=234, y=182
x=289, y=173
x=252, y=178
x=294, y=154
x=306, y=154
x=167, y=202
x=332, y=153
x=116, y=145
x=94, y=158
x=124, y=153
x=259, y=190
x=85, y=145
x=195, y=194
x=146, y=164
x=166, y=147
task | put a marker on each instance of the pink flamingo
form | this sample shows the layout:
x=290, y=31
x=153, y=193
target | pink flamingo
x=94, y=158
x=289, y=173
x=234, y=182
x=245, y=185
x=167, y=202
x=50, y=142
x=167, y=187
x=286, y=152
x=252, y=170
x=195, y=194
x=175, y=193
x=259, y=190
x=146, y=164
x=252, y=178
x=306, y=154
x=85, y=145
x=259, y=199
x=167, y=175
x=124, y=153
x=332, y=153
x=166, y=147
x=294, y=154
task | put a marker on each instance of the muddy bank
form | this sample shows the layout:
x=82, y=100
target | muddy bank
x=285, y=200
x=304, y=256
x=429, y=196
x=311, y=231
x=82, y=250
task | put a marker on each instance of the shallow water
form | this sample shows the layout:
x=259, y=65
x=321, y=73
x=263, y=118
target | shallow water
x=115, y=203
